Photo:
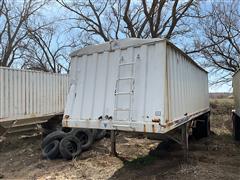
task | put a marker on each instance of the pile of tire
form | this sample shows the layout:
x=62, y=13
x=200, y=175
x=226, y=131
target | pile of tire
x=68, y=145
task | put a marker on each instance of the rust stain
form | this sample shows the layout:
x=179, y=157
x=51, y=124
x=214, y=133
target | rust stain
x=66, y=117
x=144, y=128
x=65, y=123
x=65, y=120
x=177, y=121
x=32, y=115
x=156, y=120
x=153, y=128
x=169, y=124
x=164, y=126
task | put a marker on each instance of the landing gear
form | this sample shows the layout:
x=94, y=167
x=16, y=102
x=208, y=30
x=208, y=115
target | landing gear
x=184, y=139
x=113, y=143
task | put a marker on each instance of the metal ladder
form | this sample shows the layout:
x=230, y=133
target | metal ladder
x=129, y=93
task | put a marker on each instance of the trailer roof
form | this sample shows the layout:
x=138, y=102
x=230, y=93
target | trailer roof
x=35, y=71
x=125, y=43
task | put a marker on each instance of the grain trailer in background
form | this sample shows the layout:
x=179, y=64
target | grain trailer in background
x=236, y=112
x=28, y=98
x=136, y=85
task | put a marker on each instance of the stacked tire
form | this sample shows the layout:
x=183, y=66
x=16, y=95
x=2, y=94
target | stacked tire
x=70, y=144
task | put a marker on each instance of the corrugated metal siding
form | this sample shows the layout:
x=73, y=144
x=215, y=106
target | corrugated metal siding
x=236, y=92
x=31, y=93
x=188, y=86
x=94, y=77
x=161, y=93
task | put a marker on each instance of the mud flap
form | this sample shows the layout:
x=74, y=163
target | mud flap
x=202, y=128
x=236, y=126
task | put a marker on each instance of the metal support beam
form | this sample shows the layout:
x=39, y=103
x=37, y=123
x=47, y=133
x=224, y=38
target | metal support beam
x=185, y=139
x=113, y=143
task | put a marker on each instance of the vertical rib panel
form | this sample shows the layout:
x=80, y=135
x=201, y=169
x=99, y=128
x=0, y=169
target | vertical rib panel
x=1, y=93
x=187, y=88
x=26, y=93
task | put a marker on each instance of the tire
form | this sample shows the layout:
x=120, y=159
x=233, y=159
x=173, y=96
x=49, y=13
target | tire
x=67, y=129
x=46, y=132
x=51, y=150
x=85, y=136
x=100, y=133
x=70, y=147
x=202, y=128
x=56, y=135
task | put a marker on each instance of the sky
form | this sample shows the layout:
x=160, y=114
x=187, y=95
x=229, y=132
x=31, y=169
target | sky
x=221, y=88
x=56, y=10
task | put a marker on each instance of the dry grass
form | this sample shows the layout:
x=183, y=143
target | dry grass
x=215, y=157
x=221, y=112
x=221, y=106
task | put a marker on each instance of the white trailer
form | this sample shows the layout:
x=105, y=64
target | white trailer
x=236, y=112
x=28, y=97
x=135, y=85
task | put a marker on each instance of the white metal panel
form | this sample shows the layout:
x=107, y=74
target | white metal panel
x=167, y=85
x=236, y=92
x=2, y=114
x=188, y=86
x=25, y=94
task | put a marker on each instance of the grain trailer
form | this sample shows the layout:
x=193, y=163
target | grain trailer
x=28, y=98
x=236, y=112
x=136, y=85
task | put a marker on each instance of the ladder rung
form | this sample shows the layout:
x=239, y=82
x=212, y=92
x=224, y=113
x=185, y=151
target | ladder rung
x=126, y=64
x=121, y=109
x=123, y=93
x=125, y=78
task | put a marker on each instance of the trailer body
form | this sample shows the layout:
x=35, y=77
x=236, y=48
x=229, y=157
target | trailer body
x=236, y=111
x=30, y=97
x=236, y=92
x=134, y=85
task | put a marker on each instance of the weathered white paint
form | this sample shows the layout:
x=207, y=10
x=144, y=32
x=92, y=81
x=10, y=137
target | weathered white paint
x=167, y=85
x=31, y=94
x=236, y=92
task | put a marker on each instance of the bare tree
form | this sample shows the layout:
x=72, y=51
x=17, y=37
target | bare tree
x=218, y=40
x=14, y=18
x=103, y=20
x=47, y=51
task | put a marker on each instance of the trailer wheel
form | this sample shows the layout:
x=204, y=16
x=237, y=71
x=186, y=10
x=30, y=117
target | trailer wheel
x=236, y=127
x=56, y=135
x=99, y=133
x=85, y=136
x=202, y=128
x=51, y=150
x=70, y=147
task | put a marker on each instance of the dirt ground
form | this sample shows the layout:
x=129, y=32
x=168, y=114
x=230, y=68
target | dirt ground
x=216, y=157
